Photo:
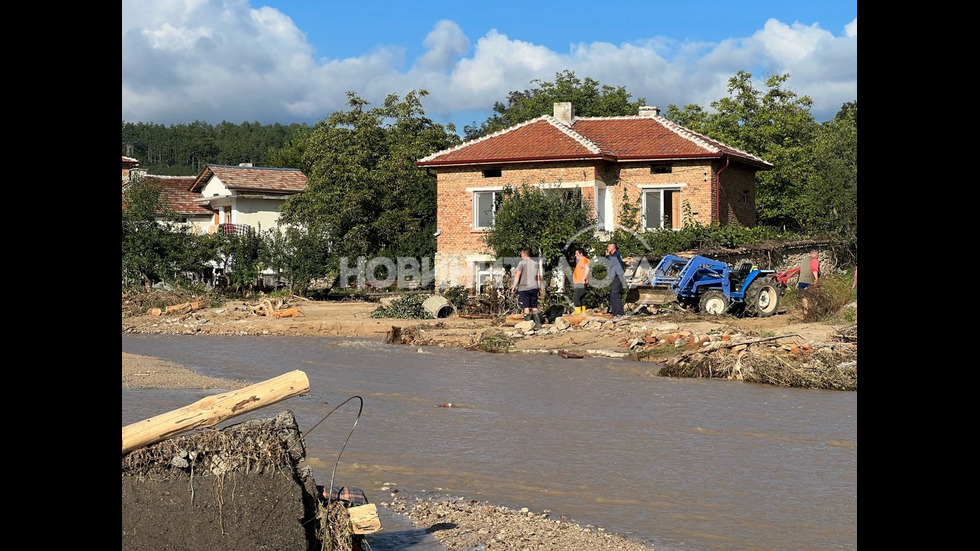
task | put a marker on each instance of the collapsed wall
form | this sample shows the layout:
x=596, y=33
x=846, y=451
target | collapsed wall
x=234, y=488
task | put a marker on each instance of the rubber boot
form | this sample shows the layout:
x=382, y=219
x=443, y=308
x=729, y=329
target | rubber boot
x=537, y=319
x=527, y=317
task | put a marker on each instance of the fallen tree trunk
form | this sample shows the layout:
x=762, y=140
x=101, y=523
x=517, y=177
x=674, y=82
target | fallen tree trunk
x=212, y=410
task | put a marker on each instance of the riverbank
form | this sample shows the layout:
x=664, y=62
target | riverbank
x=458, y=523
x=783, y=349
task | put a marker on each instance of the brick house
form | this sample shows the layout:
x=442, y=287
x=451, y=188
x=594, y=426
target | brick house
x=665, y=170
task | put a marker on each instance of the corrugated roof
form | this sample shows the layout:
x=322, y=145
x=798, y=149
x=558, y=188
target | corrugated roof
x=247, y=178
x=629, y=138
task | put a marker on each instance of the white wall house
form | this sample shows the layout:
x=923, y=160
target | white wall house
x=246, y=195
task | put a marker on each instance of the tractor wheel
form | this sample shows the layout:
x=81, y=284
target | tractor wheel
x=714, y=303
x=762, y=298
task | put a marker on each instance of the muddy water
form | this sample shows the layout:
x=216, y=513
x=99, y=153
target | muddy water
x=682, y=464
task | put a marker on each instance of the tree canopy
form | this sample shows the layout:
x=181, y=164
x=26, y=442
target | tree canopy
x=589, y=98
x=548, y=221
x=364, y=191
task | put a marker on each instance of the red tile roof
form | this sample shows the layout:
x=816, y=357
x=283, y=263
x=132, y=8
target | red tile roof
x=286, y=181
x=629, y=138
x=179, y=200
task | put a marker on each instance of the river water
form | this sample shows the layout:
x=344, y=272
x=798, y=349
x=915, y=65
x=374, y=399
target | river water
x=683, y=464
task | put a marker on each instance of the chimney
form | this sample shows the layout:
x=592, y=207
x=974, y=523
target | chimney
x=649, y=111
x=564, y=112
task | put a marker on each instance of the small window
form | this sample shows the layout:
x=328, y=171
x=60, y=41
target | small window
x=661, y=169
x=485, y=204
x=660, y=208
x=492, y=173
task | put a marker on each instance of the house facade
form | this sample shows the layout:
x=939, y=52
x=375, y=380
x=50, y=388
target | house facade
x=667, y=172
x=244, y=195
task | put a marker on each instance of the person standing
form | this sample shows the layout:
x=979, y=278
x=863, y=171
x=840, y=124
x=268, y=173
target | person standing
x=617, y=271
x=580, y=280
x=527, y=280
x=809, y=275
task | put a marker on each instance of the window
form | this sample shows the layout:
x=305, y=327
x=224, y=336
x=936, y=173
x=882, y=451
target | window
x=492, y=173
x=485, y=203
x=661, y=208
x=661, y=169
x=485, y=272
x=600, y=207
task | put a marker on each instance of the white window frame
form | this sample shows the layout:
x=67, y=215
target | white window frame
x=494, y=192
x=646, y=192
x=484, y=270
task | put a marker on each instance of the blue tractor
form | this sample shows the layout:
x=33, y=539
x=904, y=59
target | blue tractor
x=714, y=287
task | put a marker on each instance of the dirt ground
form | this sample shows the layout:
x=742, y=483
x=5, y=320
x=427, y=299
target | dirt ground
x=353, y=319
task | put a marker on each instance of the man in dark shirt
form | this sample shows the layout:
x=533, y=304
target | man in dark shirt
x=617, y=271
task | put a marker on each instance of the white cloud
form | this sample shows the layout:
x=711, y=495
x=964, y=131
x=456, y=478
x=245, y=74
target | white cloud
x=213, y=60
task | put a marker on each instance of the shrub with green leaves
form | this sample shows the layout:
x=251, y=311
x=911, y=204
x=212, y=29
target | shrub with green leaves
x=406, y=307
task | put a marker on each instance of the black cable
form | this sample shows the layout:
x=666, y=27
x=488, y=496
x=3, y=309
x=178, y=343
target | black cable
x=305, y=434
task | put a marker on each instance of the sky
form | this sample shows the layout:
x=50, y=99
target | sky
x=294, y=61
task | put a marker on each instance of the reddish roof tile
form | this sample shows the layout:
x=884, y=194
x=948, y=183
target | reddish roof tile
x=629, y=138
x=179, y=200
x=285, y=181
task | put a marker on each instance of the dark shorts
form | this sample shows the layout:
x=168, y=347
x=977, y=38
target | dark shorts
x=528, y=299
x=802, y=285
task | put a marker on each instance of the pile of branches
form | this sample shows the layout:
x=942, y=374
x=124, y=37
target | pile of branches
x=826, y=367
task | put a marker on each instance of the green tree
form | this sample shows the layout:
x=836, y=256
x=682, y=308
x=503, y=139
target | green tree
x=589, y=98
x=152, y=250
x=831, y=200
x=364, y=191
x=298, y=255
x=547, y=220
x=775, y=125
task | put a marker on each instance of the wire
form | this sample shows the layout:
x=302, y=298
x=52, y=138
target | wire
x=305, y=434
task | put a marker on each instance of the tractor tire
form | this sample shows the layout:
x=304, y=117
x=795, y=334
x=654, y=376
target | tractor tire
x=713, y=303
x=762, y=298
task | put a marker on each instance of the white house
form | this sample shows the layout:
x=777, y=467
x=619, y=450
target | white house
x=244, y=195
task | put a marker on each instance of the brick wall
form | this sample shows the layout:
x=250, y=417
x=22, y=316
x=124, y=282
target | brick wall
x=459, y=244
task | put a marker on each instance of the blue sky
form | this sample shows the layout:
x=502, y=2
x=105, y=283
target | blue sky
x=288, y=61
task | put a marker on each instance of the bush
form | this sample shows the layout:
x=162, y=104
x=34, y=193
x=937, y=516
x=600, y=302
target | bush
x=408, y=306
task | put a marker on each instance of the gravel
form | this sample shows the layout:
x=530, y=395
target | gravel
x=462, y=524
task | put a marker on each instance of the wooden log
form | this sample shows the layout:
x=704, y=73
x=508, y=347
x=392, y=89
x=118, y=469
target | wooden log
x=292, y=312
x=212, y=410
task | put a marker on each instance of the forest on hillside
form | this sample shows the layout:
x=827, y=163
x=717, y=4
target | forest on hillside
x=183, y=149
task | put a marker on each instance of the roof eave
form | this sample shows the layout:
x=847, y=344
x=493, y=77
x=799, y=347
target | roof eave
x=515, y=160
